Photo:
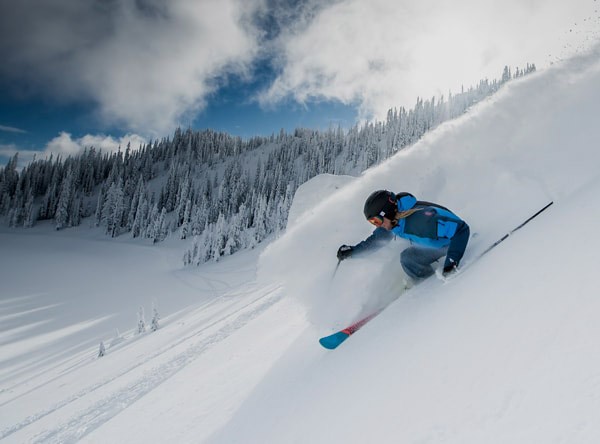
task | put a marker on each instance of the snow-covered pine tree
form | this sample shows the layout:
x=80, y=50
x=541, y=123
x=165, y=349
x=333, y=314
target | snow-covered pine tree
x=14, y=216
x=218, y=173
x=135, y=204
x=141, y=217
x=506, y=75
x=161, y=227
x=151, y=228
x=76, y=210
x=102, y=350
x=117, y=209
x=31, y=212
x=185, y=225
x=141, y=326
x=106, y=218
x=48, y=207
x=99, y=207
x=155, y=318
x=61, y=218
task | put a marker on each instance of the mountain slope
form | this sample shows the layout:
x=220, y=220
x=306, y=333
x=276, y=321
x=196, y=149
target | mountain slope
x=54, y=388
x=506, y=352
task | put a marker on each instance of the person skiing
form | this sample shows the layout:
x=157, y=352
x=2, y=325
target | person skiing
x=433, y=230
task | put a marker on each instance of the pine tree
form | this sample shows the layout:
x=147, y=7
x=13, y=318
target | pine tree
x=61, y=217
x=99, y=207
x=185, y=225
x=506, y=75
x=48, y=207
x=155, y=317
x=75, y=210
x=30, y=211
x=102, y=350
x=234, y=206
x=113, y=209
x=161, y=227
x=135, y=204
x=141, y=328
x=117, y=210
x=10, y=177
x=141, y=218
x=150, y=231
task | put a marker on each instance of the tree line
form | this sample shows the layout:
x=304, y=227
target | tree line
x=224, y=192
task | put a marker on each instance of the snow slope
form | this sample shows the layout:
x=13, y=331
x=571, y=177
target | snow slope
x=505, y=352
x=533, y=142
x=61, y=296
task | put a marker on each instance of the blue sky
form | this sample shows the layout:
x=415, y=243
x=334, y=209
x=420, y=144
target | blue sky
x=31, y=123
x=107, y=72
x=234, y=109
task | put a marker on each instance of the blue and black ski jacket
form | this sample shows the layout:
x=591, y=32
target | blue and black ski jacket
x=431, y=226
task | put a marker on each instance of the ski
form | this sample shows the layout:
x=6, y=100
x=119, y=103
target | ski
x=333, y=341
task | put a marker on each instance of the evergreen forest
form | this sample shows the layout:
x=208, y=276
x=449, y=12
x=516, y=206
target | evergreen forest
x=220, y=192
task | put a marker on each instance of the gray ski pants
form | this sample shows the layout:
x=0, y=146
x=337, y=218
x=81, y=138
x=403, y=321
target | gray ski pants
x=416, y=261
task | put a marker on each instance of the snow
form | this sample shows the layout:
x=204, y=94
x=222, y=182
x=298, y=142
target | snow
x=310, y=193
x=504, y=352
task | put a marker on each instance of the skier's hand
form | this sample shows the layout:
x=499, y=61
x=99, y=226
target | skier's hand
x=344, y=252
x=449, y=267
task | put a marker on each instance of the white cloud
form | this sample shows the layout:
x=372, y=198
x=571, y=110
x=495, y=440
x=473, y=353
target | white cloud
x=145, y=63
x=7, y=151
x=384, y=53
x=10, y=129
x=150, y=65
x=157, y=74
x=65, y=145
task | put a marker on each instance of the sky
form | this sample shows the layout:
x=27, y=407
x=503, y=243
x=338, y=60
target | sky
x=108, y=72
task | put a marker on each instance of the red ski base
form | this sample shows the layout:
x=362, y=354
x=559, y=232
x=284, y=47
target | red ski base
x=333, y=341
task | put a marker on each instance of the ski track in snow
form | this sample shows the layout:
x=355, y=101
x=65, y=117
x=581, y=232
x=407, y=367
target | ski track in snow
x=102, y=411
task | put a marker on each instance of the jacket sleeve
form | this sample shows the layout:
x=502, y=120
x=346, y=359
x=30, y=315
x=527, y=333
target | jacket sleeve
x=450, y=226
x=375, y=241
x=458, y=244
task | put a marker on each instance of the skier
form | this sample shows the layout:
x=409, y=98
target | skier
x=433, y=230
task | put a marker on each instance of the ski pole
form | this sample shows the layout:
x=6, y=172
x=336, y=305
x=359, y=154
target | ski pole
x=336, y=268
x=503, y=238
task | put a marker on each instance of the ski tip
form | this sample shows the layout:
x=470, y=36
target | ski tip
x=333, y=341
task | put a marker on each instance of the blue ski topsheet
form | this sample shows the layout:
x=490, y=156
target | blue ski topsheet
x=332, y=341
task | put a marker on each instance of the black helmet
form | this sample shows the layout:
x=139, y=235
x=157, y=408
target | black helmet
x=381, y=203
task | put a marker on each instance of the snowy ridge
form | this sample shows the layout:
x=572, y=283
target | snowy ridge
x=505, y=352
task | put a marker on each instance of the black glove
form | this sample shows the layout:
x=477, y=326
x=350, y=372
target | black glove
x=344, y=252
x=449, y=267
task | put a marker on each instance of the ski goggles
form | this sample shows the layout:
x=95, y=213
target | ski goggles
x=376, y=220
